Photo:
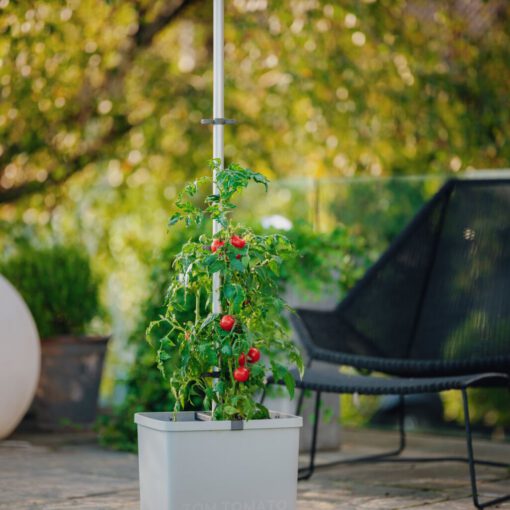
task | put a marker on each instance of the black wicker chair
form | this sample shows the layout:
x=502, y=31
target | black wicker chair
x=432, y=314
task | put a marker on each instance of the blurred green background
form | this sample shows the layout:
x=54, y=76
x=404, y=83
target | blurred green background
x=356, y=110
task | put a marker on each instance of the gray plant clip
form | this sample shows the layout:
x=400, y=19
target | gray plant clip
x=220, y=121
x=236, y=425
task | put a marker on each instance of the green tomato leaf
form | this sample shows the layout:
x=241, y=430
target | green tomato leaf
x=174, y=219
x=230, y=291
x=289, y=383
x=210, y=259
x=163, y=356
x=230, y=410
x=238, y=300
x=236, y=265
x=227, y=350
x=296, y=358
x=216, y=266
x=208, y=320
x=158, y=330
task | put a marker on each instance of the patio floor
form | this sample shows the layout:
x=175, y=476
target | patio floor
x=59, y=472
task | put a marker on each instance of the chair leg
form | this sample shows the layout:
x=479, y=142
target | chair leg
x=381, y=457
x=307, y=472
x=301, y=399
x=471, y=460
x=392, y=456
x=401, y=425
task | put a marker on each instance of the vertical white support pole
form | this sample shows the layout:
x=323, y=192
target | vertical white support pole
x=218, y=113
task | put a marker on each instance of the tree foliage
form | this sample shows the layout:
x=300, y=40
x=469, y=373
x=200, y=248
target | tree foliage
x=319, y=88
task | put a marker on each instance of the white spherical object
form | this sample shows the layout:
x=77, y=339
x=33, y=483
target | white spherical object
x=20, y=358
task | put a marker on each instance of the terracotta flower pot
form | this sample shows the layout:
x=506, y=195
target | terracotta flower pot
x=71, y=369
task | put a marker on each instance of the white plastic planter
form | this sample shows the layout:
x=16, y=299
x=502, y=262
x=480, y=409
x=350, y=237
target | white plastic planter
x=192, y=464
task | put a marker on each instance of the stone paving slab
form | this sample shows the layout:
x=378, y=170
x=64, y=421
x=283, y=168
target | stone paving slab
x=61, y=472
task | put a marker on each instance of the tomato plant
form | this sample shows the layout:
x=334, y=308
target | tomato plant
x=212, y=349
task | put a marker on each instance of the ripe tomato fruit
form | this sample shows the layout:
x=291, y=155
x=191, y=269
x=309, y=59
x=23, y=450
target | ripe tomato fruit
x=253, y=355
x=238, y=256
x=241, y=374
x=242, y=359
x=237, y=242
x=217, y=243
x=227, y=322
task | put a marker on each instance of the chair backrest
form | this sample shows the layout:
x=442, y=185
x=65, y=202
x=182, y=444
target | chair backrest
x=440, y=294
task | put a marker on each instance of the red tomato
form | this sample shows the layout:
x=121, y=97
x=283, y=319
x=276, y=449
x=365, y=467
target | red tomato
x=242, y=359
x=227, y=322
x=217, y=243
x=253, y=355
x=237, y=242
x=241, y=374
x=238, y=256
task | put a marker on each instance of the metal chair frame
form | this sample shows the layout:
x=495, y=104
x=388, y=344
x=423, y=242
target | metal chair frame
x=394, y=455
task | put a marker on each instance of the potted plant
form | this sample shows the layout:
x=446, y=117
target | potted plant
x=61, y=291
x=236, y=452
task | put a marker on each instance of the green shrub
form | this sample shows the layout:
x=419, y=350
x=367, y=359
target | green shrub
x=58, y=286
x=324, y=261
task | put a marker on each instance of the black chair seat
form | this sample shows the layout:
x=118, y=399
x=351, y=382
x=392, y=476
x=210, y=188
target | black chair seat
x=329, y=381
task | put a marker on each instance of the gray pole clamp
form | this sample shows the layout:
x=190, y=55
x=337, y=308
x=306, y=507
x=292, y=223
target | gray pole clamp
x=220, y=121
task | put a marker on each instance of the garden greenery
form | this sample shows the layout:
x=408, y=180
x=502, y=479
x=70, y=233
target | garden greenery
x=219, y=352
x=58, y=286
x=319, y=261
